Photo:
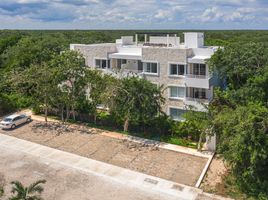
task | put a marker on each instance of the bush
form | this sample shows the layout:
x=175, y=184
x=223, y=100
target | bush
x=184, y=129
x=243, y=136
x=6, y=105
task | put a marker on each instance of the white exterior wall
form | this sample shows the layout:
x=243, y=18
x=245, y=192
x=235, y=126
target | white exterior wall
x=127, y=40
x=92, y=52
x=163, y=56
x=193, y=40
x=175, y=41
x=129, y=50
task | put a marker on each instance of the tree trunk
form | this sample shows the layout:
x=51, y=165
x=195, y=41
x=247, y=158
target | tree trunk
x=67, y=113
x=126, y=124
x=46, y=114
x=62, y=114
x=199, y=145
x=46, y=107
x=95, y=118
x=73, y=113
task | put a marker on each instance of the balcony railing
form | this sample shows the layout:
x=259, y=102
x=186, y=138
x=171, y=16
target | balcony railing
x=197, y=76
x=201, y=100
x=123, y=73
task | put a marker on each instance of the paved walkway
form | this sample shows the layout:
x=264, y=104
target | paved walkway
x=152, y=186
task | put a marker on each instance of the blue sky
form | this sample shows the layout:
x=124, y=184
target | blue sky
x=133, y=14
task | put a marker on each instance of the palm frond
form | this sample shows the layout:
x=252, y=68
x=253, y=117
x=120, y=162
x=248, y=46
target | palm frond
x=38, y=189
x=34, y=187
x=18, y=188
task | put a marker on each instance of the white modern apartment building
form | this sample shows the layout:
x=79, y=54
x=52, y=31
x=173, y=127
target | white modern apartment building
x=162, y=59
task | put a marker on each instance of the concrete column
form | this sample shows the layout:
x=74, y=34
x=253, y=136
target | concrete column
x=145, y=38
x=107, y=64
x=211, y=143
x=136, y=39
x=167, y=40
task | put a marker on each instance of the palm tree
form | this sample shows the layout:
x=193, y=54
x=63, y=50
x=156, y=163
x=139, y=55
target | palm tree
x=27, y=193
x=1, y=191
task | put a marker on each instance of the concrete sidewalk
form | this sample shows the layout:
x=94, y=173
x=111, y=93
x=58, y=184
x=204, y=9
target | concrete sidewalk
x=105, y=171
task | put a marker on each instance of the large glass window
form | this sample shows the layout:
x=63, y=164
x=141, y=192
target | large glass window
x=199, y=69
x=176, y=114
x=199, y=93
x=176, y=69
x=102, y=63
x=150, y=67
x=177, y=92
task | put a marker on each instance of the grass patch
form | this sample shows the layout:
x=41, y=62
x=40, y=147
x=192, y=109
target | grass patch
x=180, y=142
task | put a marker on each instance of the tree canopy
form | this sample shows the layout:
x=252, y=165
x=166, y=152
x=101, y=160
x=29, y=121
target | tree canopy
x=136, y=100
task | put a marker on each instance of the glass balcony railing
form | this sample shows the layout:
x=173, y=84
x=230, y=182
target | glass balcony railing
x=201, y=99
x=197, y=76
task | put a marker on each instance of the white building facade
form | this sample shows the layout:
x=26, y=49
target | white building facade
x=163, y=60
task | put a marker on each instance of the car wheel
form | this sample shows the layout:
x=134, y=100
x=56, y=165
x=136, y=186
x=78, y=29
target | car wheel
x=13, y=126
x=28, y=120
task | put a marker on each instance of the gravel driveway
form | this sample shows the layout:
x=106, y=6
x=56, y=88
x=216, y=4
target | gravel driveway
x=149, y=159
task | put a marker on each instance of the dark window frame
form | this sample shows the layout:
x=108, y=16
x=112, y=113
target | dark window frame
x=179, y=69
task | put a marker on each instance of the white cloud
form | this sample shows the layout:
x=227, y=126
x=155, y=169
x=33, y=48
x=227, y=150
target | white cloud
x=211, y=14
x=136, y=13
x=215, y=14
x=162, y=14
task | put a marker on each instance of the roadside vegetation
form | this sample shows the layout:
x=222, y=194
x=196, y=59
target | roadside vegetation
x=33, y=64
x=20, y=192
x=2, y=184
x=240, y=114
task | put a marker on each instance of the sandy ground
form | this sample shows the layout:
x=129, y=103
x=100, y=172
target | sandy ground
x=215, y=173
x=148, y=159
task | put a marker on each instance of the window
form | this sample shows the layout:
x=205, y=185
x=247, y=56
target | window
x=102, y=63
x=16, y=118
x=139, y=65
x=150, y=67
x=176, y=114
x=199, y=69
x=121, y=62
x=176, y=69
x=199, y=93
x=177, y=92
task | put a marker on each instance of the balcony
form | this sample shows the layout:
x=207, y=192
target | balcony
x=198, y=98
x=126, y=67
x=196, y=103
x=197, y=81
x=130, y=69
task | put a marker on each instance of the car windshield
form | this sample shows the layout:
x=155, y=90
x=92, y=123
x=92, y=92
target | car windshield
x=7, y=119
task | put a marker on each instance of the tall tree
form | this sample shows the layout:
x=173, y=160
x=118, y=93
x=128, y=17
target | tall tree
x=243, y=134
x=42, y=87
x=100, y=89
x=136, y=100
x=70, y=71
x=239, y=61
x=201, y=123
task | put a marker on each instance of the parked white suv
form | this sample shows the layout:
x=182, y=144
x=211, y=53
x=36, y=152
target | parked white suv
x=12, y=121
